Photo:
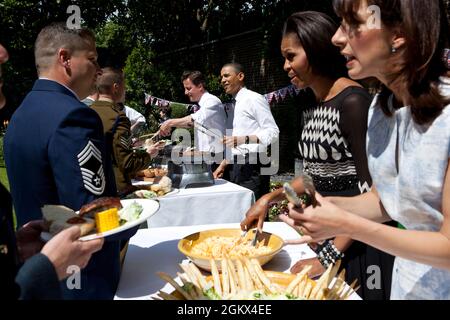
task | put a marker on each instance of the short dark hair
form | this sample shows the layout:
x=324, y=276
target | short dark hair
x=314, y=31
x=236, y=66
x=56, y=36
x=196, y=77
x=108, y=78
x=425, y=27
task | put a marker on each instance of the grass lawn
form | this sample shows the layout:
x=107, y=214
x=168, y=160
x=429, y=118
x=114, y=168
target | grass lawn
x=4, y=177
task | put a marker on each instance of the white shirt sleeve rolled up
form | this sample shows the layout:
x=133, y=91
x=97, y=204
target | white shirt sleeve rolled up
x=252, y=116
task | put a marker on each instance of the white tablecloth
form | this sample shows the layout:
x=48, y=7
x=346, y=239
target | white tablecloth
x=224, y=202
x=155, y=249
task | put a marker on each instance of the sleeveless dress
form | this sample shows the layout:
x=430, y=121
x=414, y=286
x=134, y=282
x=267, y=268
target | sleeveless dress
x=333, y=148
x=408, y=163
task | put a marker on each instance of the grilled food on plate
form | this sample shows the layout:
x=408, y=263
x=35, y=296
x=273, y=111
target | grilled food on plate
x=98, y=216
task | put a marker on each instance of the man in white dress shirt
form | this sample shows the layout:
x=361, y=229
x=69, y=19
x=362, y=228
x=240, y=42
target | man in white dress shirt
x=137, y=119
x=254, y=129
x=211, y=116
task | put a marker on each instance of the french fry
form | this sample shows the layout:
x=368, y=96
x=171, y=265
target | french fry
x=241, y=275
x=187, y=273
x=216, y=277
x=233, y=289
x=297, y=290
x=333, y=272
x=298, y=278
x=342, y=275
x=332, y=293
x=198, y=274
x=308, y=289
x=260, y=273
x=254, y=276
x=186, y=281
x=177, y=287
x=340, y=286
x=248, y=279
x=183, y=277
x=341, y=289
x=233, y=275
x=321, y=293
x=225, y=279
x=322, y=283
x=192, y=279
x=302, y=285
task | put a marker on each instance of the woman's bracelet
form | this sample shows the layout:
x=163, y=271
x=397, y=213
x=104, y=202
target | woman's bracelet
x=329, y=254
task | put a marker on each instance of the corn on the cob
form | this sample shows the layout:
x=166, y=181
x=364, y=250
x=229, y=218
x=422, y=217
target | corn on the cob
x=107, y=220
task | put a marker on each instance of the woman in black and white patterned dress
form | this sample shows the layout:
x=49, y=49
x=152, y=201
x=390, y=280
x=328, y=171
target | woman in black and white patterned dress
x=332, y=142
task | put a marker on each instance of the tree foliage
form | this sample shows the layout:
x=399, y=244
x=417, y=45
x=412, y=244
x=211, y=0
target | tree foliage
x=20, y=23
x=153, y=40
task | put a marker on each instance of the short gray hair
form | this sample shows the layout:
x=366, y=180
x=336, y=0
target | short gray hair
x=56, y=36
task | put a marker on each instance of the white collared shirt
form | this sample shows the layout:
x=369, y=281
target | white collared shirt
x=133, y=115
x=212, y=116
x=252, y=116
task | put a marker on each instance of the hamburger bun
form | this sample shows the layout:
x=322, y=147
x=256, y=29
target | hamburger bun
x=61, y=217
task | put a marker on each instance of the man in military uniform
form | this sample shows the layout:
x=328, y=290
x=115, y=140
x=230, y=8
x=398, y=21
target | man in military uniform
x=54, y=148
x=116, y=126
x=38, y=277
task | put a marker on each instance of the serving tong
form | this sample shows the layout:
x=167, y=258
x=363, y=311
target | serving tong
x=307, y=199
x=150, y=136
x=255, y=237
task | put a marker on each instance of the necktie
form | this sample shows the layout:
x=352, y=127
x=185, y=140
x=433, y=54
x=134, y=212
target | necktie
x=229, y=106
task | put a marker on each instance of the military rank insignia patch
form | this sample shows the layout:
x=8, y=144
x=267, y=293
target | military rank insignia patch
x=126, y=142
x=91, y=166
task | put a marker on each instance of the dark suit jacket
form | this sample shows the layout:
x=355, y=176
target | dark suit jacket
x=55, y=154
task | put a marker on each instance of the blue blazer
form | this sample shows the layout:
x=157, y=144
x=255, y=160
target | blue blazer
x=55, y=154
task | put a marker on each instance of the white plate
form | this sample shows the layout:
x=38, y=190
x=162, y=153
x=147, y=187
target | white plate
x=138, y=183
x=172, y=192
x=149, y=206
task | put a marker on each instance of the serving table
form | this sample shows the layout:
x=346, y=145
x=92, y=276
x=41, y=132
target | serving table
x=155, y=249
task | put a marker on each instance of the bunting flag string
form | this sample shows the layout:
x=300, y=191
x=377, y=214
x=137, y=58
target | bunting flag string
x=272, y=98
x=280, y=95
x=163, y=103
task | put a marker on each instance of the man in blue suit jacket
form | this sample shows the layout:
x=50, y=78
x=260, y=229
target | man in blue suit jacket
x=55, y=152
x=27, y=271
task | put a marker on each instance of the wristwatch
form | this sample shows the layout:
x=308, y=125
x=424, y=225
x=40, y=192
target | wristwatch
x=247, y=139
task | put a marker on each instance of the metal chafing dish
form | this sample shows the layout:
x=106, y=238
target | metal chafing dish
x=190, y=170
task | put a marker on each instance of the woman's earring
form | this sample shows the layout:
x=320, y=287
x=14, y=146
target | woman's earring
x=446, y=58
x=393, y=49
